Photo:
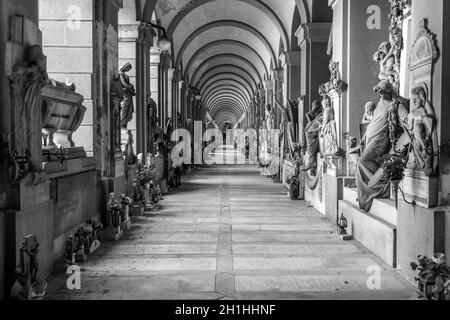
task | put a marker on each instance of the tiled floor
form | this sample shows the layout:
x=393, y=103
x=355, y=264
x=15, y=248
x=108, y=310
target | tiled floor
x=230, y=233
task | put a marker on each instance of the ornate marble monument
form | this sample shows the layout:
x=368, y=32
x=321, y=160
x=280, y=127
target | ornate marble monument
x=376, y=143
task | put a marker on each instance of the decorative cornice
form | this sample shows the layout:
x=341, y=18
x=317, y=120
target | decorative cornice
x=292, y=58
x=424, y=49
x=313, y=32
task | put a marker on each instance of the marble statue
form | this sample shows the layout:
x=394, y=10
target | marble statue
x=353, y=150
x=328, y=133
x=422, y=133
x=369, y=109
x=129, y=151
x=28, y=79
x=386, y=59
x=128, y=93
x=376, y=143
x=152, y=115
x=269, y=117
x=117, y=95
x=312, y=130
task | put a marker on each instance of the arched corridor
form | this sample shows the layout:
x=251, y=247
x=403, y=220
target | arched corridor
x=224, y=149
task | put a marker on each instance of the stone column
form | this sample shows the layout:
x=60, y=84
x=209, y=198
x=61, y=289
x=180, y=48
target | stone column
x=313, y=41
x=362, y=24
x=135, y=41
x=170, y=98
x=154, y=76
x=278, y=78
x=182, y=93
x=290, y=62
x=177, y=94
x=164, y=90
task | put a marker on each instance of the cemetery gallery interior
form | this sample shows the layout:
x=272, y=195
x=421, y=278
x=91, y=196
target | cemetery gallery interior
x=224, y=149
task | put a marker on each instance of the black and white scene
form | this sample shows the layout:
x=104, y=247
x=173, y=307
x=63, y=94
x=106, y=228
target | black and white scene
x=224, y=150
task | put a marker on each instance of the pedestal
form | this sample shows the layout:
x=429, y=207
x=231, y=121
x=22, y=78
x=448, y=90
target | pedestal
x=111, y=234
x=138, y=210
x=420, y=188
x=421, y=231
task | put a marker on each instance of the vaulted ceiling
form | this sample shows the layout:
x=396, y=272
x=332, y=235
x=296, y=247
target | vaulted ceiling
x=227, y=48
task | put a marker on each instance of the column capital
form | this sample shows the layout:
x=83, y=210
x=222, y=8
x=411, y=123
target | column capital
x=165, y=60
x=155, y=58
x=178, y=75
x=291, y=58
x=333, y=3
x=269, y=84
x=278, y=74
x=170, y=74
x=313, y=32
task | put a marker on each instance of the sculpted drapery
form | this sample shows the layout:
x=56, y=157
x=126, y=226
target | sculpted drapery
x=28, y=79
x=129, y=92
x=375, y=144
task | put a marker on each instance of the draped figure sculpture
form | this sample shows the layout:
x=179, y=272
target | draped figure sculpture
x=422, y=133
x=375, y=144
x=330, y=145
x=386, y=59
x=28, y=79
x=312, y=130
x=129, y=92
x=152, y=114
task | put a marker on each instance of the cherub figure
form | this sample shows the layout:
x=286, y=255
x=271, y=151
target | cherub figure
x=369, y=111
x=386, y=59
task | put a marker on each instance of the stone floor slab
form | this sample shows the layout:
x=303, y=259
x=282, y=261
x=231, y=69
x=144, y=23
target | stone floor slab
x=229, y=233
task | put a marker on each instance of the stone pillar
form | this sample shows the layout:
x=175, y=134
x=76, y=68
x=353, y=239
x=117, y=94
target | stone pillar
x=278, y=78
x=290, y=62
x=363, y=25
x=135, y=41
x=425, y=229
x=313, y=42
x=170, y=99
x=154, y=77
x=164, y=90
x=25, y=204
x=110, y=161
x=177, y=94
x=182, y=93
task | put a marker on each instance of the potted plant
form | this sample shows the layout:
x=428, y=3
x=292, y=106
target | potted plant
x=294, y=187
x=433, y=277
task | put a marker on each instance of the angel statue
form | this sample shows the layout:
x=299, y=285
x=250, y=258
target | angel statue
x=129, y=92
x=420, y=133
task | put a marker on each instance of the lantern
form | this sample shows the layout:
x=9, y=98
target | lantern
x=342, y=224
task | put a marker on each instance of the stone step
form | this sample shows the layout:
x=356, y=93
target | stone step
x=376, y=234
x=382, y=208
